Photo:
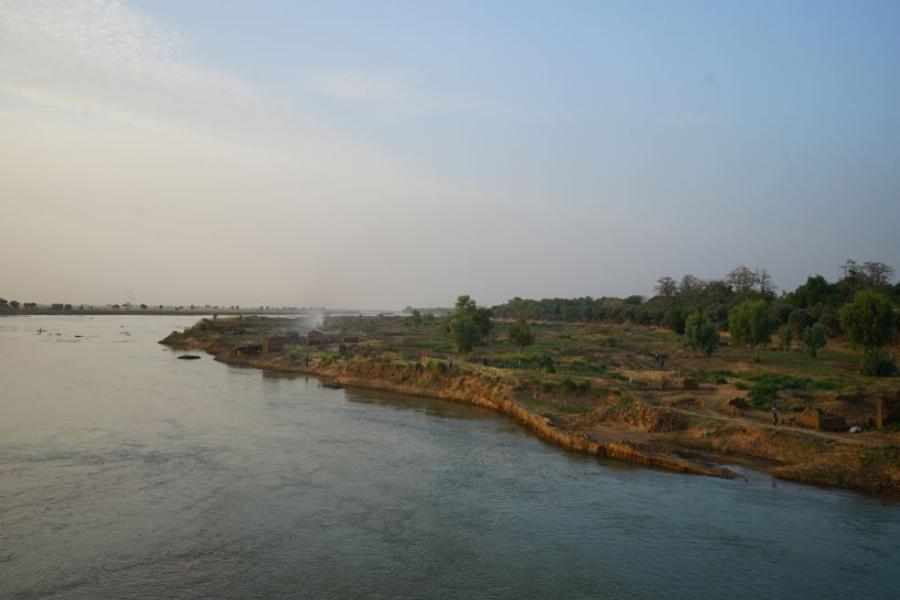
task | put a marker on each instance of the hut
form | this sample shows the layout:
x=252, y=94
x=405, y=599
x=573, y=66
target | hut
x=273, y=344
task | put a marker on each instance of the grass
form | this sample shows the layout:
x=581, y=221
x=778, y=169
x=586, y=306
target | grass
x=768, y=385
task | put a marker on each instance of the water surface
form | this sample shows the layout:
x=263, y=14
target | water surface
x=126, y=473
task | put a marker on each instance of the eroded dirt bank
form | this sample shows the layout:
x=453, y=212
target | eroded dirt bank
x=641, y=434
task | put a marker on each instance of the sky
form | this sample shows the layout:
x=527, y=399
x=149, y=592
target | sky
x=384, y=154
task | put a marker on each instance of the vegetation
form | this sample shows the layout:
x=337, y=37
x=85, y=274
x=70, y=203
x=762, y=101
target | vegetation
x=750, y=324
x=701, y=334
x=868, y=322
x=785, y=337
x=468, y=324
x=520, y=334
x=814, y=338
x=675, y=319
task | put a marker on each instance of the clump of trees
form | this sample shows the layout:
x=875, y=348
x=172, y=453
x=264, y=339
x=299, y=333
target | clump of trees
x=793, y=314
x=468, y=324
x=868, y=322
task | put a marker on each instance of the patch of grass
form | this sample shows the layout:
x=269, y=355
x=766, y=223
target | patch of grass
x=767, y=386
x=716, y=376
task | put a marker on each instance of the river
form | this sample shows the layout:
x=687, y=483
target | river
x=127, y=473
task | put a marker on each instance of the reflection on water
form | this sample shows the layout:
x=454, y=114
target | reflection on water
x=126, y=473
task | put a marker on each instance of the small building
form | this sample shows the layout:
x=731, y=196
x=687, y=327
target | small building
x=273, y=344
x=315, y=338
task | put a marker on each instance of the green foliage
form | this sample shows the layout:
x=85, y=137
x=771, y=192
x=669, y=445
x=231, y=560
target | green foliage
x=701, y=334
x=464, y=333
x=467, y=325
x=785, y=336
x=878, y=363
x=767, y=386
x=519, y=332
x=750, y=324
x=416, y=318
x=799, y=320
x=868, y=321
x=717, y=376
x=814, y=338
x=675, y=319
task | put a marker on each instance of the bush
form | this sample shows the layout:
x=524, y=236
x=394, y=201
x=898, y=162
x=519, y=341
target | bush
x=701, y=334
x=675, y=319
x=814, y=338
x=878, y=363
x=519, y=332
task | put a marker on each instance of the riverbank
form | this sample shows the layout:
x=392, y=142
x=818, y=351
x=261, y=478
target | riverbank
x=674, y=435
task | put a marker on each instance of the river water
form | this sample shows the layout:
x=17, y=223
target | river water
x=126, y=473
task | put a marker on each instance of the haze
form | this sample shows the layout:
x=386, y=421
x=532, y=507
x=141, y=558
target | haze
x=385, y=154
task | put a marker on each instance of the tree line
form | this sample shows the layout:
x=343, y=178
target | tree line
x=862, y=306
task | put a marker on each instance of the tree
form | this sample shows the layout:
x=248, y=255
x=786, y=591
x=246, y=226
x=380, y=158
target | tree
x=15, y=304
x=689, y=289
x=675, y=319
x=464, y=333
x=814, y=338
x=786, y=336
x=416, y=317
x=764, y=281
x=519, y=332
x=742, y=280
x=868, y=322
x=750, y=324
x=877, y=274
x=666, y=287
x=701, y=334
x=467, y=325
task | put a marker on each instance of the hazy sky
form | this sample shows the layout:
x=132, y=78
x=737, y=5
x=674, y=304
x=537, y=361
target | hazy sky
x=381, y=154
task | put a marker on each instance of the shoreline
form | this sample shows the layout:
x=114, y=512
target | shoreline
x=664, y=436
x=463, y=389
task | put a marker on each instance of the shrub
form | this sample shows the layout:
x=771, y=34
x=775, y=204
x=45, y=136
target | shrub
x=519, y=332
x=878, y=363
x=675, y=319
x=701, y=334
x=814, y=338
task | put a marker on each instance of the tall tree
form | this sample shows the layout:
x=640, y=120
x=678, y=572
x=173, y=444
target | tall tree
x=750, y=324
x=666, y=287
x=468, y=324
x=743, y=280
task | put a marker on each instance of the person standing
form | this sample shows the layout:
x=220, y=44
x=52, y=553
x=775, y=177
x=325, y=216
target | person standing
x=774, y=415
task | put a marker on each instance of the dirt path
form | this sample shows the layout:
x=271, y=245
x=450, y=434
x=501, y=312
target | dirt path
x=858, y=439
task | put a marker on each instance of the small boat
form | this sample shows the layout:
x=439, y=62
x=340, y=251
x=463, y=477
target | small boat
x=188, y=357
